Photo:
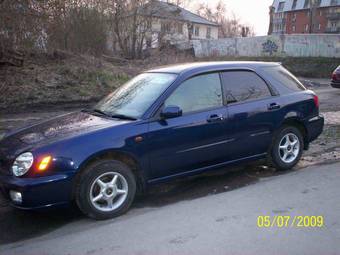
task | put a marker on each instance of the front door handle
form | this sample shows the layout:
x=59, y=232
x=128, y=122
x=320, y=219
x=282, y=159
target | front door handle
x=273, y=106
x=215, y=118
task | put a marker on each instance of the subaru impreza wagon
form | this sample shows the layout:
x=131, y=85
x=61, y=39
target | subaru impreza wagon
x=163, y=124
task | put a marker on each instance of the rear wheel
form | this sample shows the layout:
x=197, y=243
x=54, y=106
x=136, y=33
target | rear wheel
x=287, y=148
x=105, y=189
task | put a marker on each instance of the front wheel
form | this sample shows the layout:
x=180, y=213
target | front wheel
x=287, y=148
x=105, y=189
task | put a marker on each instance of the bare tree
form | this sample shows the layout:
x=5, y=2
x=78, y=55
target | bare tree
x=75, y=25
x=20, y=23
x=230, y=26
x=129, y=25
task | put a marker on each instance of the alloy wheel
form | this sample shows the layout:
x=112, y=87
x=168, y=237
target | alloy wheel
x=289, y=148
x=108, y=191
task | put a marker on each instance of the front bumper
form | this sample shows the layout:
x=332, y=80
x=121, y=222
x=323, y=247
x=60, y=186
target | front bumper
x=315, y=127
x=39, y=192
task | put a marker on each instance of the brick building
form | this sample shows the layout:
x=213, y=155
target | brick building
x=304, y=16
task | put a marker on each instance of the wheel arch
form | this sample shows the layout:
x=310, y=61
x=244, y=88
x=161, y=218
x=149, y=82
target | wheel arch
x=112, y=154
x=295, y=121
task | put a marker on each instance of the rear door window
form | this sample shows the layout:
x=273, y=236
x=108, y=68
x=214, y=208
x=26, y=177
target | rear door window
x=241, y=86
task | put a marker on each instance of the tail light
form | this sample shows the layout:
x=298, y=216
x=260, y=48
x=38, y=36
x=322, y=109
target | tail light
x=316, y=101
x=334, y=76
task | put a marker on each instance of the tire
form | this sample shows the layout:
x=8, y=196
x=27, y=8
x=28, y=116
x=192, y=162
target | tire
x=292, y=152
x=96, y=188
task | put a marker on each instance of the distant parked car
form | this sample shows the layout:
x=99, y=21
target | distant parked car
x=335, y=83
x=163, y=124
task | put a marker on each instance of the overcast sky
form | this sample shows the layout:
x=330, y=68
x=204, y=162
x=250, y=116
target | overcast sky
x=252, y=12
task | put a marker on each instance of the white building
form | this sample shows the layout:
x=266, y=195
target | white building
x=175, y=24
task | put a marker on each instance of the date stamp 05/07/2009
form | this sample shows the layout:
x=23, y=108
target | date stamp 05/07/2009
x=287, y=221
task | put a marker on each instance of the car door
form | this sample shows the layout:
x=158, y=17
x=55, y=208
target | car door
x=252, y=110
x=196, y=139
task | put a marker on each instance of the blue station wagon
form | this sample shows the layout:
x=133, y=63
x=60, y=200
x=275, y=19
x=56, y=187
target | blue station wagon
x=165, y=123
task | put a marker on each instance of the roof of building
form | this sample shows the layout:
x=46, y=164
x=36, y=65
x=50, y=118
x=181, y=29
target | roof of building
x=171, y=11
x=211, y=66
x=294, y=5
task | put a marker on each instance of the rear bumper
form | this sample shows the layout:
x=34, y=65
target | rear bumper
x=38, y=192
x=335, y=84
x=315, y=127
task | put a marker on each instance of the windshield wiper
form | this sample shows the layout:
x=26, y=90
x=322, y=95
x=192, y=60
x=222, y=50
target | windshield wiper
x=101, y=112
x=118, y=116
x=96, y=111
x=122, y=116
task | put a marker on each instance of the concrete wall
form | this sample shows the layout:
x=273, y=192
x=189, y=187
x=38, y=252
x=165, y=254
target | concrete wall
x=327, y=45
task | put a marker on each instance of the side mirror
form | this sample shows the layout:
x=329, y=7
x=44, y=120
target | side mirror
x=170, y=112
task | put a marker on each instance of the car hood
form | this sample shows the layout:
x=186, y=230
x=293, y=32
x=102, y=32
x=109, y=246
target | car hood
x=59, y=128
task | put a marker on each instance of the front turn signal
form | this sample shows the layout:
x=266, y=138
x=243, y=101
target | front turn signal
x=44, y=163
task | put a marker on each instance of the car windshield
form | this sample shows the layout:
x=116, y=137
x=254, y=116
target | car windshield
x=133, y=98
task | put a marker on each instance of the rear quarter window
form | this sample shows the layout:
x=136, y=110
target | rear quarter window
x=284, y=77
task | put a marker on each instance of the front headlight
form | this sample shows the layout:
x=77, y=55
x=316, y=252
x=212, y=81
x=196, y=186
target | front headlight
x=22, y=164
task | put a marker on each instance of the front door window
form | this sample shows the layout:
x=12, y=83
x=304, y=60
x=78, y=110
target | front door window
x=200, y=93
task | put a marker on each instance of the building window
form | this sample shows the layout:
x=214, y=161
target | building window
x=306, y=28
x=180, y=28
x=334, y=2
x=197, y=31
x=320, y=13
x=294, y=28
x=294, y=5
x=319, y=26
x=318, y=3
x=165, y=27
x=294, y=17
x=208, y=32
x=306, y=5
x=281, y=6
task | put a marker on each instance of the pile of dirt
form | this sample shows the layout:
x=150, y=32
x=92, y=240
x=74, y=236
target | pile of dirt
x=57, y=78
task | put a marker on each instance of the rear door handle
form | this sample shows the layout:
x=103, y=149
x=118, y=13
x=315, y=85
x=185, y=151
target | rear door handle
x=215, y=118
x=273, y=106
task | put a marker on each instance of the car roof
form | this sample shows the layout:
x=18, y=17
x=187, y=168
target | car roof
x=211, y=66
